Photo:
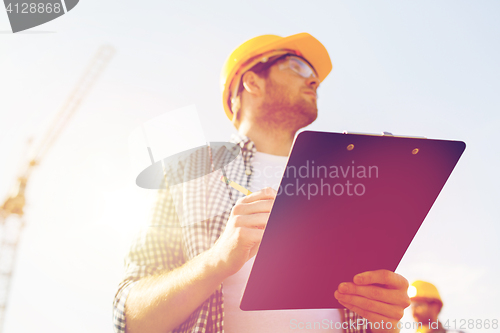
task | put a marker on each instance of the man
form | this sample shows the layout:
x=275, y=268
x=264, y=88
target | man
x=187, y=277
x=426, y=304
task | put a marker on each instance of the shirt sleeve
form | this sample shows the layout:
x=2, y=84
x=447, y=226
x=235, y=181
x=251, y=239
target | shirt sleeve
x=156, y=249
x=354, y=323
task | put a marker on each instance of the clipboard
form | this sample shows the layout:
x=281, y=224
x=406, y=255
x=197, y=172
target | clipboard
x=381, y=189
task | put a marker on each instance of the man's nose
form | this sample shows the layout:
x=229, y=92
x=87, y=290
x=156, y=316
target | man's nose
x=312, y=82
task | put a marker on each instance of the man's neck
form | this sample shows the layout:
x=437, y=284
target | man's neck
x=273, y=142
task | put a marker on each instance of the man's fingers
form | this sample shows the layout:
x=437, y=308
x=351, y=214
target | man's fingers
x=253, y=235
x=259, y=206
x=390, y=296
x=387, y=310
x=258, y=220
x=266, y=193
x=382, y=276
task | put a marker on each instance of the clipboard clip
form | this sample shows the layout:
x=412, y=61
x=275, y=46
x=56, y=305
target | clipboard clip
x=385, y=134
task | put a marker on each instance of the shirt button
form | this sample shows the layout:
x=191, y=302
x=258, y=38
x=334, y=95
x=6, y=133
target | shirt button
x=248, y=172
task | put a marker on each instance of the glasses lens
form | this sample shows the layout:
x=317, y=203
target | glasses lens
x=300, y=67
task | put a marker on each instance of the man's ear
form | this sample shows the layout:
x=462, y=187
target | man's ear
x=252, y=83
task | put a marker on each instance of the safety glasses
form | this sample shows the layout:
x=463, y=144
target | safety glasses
x=259, y=64
x=298, y=65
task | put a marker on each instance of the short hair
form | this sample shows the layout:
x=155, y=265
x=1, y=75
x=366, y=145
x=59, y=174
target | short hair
x=261, y=69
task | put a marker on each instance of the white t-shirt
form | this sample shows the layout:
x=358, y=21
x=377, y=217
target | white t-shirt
x=267, y=172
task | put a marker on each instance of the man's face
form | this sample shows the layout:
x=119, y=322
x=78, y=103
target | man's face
x=425, y=310
x=289, y=98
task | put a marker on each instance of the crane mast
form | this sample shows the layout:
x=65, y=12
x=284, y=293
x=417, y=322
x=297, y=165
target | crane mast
x=12, y=219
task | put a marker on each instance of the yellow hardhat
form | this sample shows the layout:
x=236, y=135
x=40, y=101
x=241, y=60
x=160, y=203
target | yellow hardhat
x=262, y=48
x=422, y=289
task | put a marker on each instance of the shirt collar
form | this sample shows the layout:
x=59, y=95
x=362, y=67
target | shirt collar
x=248, y=149
x=242, y=140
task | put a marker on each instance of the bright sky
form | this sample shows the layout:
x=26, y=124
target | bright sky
x=426, y=68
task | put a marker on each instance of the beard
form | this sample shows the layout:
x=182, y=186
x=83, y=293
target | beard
x=284, y=109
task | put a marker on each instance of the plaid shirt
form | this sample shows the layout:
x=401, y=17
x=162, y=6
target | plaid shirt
x=186, y=220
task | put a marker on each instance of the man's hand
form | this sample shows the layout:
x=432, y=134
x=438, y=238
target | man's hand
x=378, y=296
x=241, y=239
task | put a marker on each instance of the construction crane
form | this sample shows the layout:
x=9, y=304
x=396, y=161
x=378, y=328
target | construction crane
x=12, y=219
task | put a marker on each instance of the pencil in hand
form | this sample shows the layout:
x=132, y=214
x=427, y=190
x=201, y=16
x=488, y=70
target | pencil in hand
x=236, y=186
